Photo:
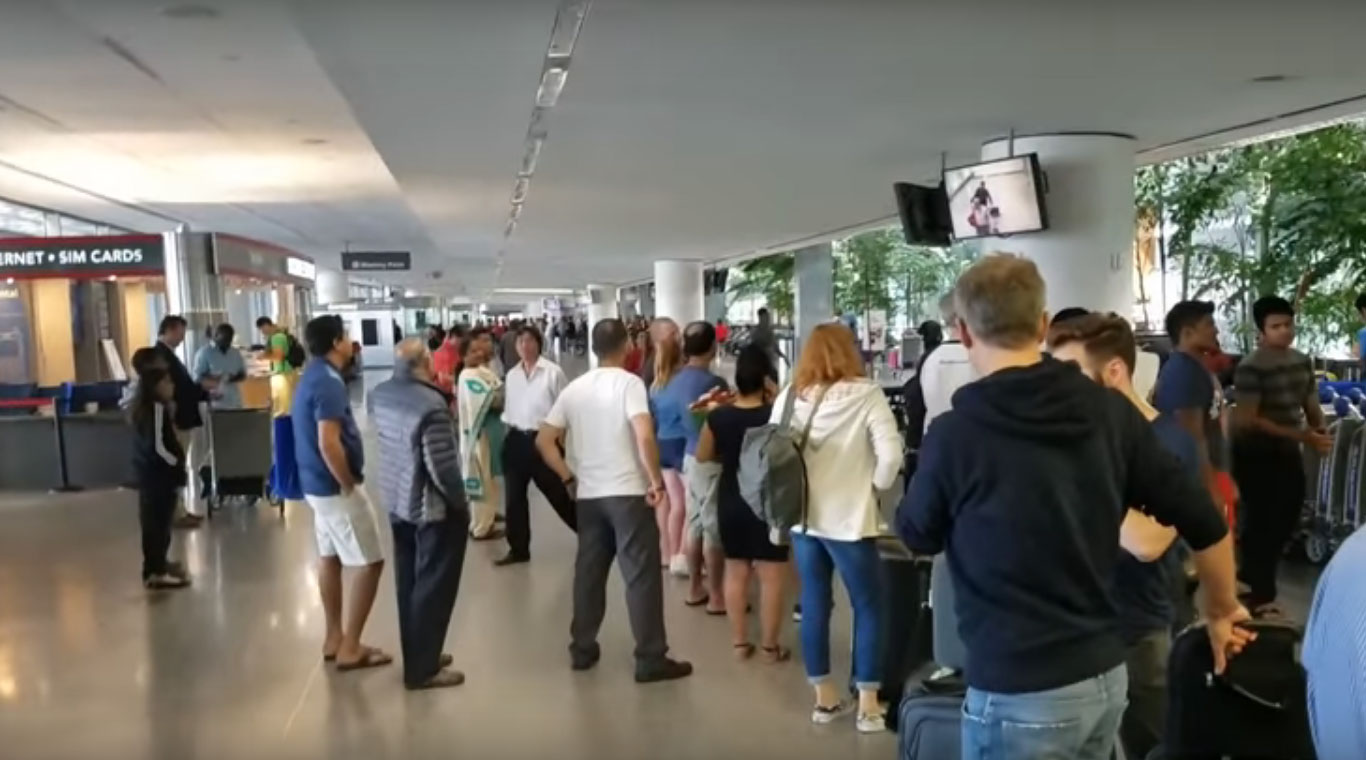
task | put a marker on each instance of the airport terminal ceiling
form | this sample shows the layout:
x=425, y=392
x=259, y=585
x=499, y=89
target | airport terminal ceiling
x=699, y=129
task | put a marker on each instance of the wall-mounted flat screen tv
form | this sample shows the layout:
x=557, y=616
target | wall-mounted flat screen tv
x=996, y=198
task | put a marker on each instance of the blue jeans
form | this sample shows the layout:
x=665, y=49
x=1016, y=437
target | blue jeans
x=1077, y=722
x=857, y=562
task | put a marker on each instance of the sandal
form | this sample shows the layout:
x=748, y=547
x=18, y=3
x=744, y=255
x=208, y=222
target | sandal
x=744, y=651
x=774, y=655
x=697, y=602
x=372, y=658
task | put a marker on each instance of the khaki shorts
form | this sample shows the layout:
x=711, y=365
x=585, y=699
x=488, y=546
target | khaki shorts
x=700, y=483
x=346, y=527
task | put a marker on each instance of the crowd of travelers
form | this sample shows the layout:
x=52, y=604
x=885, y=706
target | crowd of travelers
x=1066, y=499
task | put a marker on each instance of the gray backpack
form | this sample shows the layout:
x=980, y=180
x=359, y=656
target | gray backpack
x=772, y=473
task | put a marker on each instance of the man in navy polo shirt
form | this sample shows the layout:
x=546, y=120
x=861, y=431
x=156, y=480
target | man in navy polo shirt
x=329, y=457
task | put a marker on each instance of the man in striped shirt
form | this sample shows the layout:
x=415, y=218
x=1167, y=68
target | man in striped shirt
x=1335, y=654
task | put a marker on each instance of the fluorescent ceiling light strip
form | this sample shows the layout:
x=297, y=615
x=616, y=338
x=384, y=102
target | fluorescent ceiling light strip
x=532, y=155
x=552, y=83
x=520, y=188
x=535, y=291
x=568, y=22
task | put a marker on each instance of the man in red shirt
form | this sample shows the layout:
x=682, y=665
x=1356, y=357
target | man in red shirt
x=722, y=332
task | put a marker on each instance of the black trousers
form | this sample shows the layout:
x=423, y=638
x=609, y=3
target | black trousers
x=621, y=528
x=428, y=561
x=522, y=466
x=1270, y=477
x=156, y=510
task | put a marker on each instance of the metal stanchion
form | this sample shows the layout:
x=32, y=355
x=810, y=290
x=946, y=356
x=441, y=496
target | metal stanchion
x=65, y=486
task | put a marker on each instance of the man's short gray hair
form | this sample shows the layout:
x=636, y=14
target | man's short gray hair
x=948, y=313
x=1001, y=299
x=411, y=354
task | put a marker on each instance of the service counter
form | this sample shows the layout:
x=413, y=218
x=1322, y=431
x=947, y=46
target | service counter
x=98, y=448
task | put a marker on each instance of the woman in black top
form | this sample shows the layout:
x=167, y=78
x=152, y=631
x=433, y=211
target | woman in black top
x=159, y=462
x=744, y=537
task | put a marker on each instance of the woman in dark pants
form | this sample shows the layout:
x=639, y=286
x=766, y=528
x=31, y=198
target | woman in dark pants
x=159, y=462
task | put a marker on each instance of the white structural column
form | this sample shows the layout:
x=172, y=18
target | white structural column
x=814, y=291
x=332, y=287
x=1086, y=255
x=678, y=291
x=602, y=304
x=193, y=289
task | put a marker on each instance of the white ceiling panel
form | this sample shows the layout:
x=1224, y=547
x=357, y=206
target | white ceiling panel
x=700, y=129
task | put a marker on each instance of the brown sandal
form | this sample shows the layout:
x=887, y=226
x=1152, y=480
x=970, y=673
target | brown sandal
x=774, y=655
x=744, y=651
x=372, y=658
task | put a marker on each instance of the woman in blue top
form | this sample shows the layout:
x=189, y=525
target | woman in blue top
x=668, y=359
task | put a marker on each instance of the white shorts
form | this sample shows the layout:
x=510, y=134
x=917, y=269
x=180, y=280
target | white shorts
x=346, y=528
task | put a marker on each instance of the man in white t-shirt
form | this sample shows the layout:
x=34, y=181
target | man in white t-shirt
x=946, y=369
x=604, y=420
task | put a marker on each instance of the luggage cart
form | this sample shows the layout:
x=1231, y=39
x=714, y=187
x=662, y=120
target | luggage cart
x=1330, y=524
x=239, y=455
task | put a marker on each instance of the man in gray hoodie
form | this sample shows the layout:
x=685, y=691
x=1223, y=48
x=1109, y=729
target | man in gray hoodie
x=420, y=486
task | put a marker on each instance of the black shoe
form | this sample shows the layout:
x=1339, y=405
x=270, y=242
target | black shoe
x=579, y=661
x=511, y=559
x=667, y=670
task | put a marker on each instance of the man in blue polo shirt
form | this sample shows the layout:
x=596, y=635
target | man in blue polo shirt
x=702, y=539
x=329, y=457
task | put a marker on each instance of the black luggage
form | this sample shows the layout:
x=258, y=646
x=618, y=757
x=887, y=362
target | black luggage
x=930, y=719
x=1256, y=709
x=906, y=630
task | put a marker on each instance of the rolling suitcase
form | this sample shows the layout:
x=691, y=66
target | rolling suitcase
x=906, y=622
x=1257, y=709
x=930, y=718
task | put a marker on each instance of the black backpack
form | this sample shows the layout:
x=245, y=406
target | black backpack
x=295, y=353
x=1257, y=709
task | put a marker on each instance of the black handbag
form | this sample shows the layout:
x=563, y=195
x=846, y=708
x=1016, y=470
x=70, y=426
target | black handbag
x=1257, y=709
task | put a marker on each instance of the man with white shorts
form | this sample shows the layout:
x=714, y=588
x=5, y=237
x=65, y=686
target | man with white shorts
x=330, y=458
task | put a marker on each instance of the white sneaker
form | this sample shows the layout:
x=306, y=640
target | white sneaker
x=823, y=715
x=678, y=566
x=871, y=724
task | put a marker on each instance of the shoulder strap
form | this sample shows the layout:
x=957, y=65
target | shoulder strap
x=789, y=403
x=815, y=407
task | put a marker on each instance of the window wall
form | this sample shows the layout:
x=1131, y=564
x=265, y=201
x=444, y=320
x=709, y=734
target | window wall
x=18, y=219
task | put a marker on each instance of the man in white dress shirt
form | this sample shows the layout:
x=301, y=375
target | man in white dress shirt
x=947, y=368
x=533, y=384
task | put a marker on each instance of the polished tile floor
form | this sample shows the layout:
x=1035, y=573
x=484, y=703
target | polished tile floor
x=93, y=666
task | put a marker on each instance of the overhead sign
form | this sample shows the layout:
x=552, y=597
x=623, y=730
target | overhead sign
x=82, y=256
x=377, y=261
x=302, y=268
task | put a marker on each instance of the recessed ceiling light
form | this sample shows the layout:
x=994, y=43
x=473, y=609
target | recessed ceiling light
x=314, y=141
x=190, y=11
x=1271, y=79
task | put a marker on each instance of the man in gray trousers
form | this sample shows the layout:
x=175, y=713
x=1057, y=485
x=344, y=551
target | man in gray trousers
x=420, y=485
x=614, y=468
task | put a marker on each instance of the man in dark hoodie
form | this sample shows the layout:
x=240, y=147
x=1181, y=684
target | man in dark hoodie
x=1025, y=485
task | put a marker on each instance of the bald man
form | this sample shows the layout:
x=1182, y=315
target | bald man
x=420, y=485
